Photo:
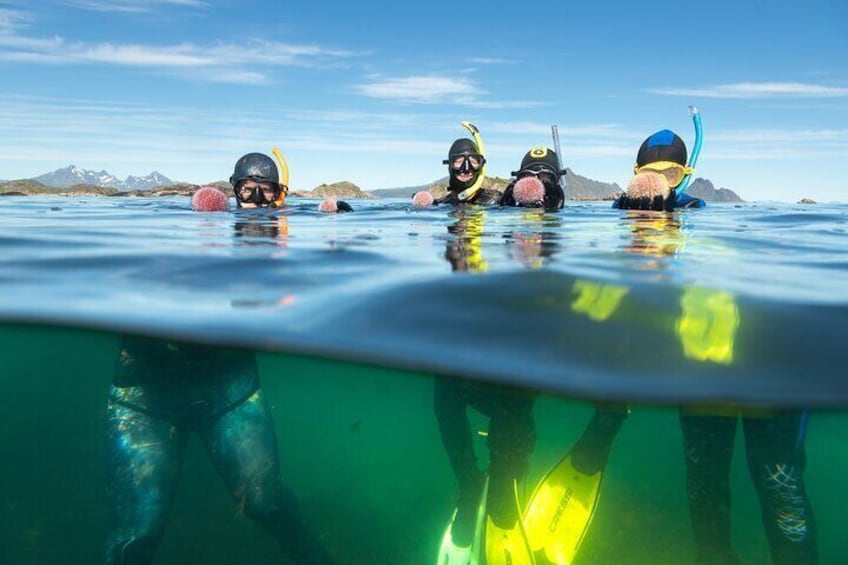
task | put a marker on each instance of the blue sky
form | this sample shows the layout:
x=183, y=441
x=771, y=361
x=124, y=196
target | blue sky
x=373, y=92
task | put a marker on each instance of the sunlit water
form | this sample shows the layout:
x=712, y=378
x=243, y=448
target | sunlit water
x=351, y=317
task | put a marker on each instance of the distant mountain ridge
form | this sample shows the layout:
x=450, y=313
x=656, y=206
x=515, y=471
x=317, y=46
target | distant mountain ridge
x=702, y=188
x=73, y=175
x=577, y=187
x=73, y=180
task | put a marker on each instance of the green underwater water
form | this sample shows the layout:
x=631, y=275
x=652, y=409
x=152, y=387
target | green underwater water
x=359, y=445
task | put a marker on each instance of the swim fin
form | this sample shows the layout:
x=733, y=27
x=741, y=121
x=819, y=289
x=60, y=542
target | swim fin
x=508, y=546
x=560, y=511
x=451, y=554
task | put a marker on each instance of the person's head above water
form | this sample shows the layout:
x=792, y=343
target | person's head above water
x=537, y=181
x=664, y=153
x=256, y=182
x=464, y=164
x=542, y=163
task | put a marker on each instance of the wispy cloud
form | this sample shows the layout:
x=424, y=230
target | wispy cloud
x=10, y=20
x=424, y=89
x=541, y=128
x=130, y=5
x=254, y=52
x=223, y=62
x=781, y=135
x=434, y=89
x=490, y=61
x=759, y=90
x=783, y=144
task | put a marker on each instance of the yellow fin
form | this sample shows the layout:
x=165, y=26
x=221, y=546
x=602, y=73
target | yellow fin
x=508, y=546
x=560, y=511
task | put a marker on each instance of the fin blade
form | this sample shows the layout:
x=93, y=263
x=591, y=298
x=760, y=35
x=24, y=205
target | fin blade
x=561, y=510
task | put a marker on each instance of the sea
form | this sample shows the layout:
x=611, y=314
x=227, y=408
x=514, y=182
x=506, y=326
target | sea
x=735, y=313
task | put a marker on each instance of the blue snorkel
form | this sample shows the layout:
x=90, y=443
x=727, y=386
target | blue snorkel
x=696, y=150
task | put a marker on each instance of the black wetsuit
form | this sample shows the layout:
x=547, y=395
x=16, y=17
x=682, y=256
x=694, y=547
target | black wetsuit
x=163, y=391
x=658, y=203
x=482, y=197
x=776, y=460
x=511, y=439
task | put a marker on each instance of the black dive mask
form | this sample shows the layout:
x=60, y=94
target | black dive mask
x=260, y=196
x=465, y=162
x=546, y=175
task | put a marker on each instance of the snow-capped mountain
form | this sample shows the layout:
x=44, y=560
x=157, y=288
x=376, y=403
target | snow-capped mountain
x=143, y=183
x=71, y=175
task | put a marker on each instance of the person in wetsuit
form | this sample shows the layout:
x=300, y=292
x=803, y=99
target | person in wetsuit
x=256, y=182
x=663, y=153
x=511, y=436
x=774, y=440
x=162, y=392
x=542, y=164
x=465, y=165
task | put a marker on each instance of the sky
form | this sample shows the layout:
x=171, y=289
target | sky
x=374, y=92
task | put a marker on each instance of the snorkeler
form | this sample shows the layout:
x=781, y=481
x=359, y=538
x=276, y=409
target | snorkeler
x=256, y=182
x=484, y=497
x=537, y=182
x=774, y=440
x=662, y=172
x=162, y=392
x=466, y=172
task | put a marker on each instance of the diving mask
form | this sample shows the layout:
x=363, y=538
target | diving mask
x=465, y=162
x=544, y=174
x=261, y=194
x=674, y=173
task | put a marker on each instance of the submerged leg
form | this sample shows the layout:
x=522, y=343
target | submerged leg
x=776, y=461
x=450, y=404
x=143, y=460
x=708, y=448
x=243, y=446
x=591, y=451
x=511, y=441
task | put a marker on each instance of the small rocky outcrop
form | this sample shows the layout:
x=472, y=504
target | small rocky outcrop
x=807, y=201
x=342, y=189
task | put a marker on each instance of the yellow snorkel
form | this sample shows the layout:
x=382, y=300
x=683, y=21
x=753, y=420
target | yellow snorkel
x=284, y=176
x=469, y=192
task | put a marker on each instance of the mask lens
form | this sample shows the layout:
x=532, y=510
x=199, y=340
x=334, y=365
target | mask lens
x=257, y=193
x=466, y=162
x=245, y=193
x=673, y=173
x=674, y=176
x=545, y=175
